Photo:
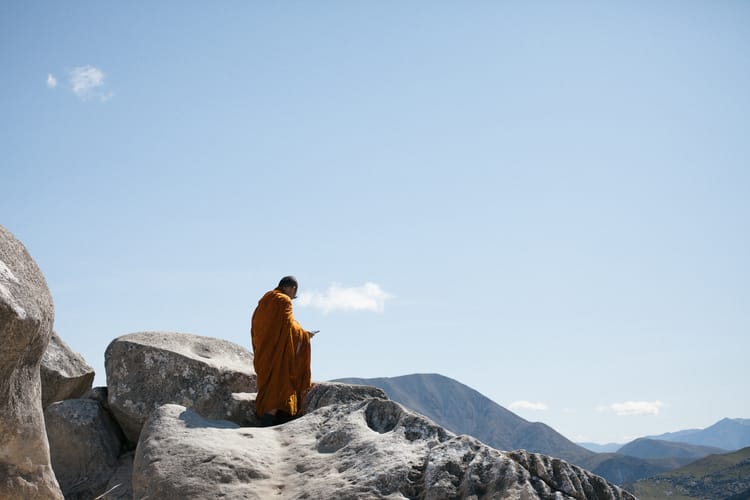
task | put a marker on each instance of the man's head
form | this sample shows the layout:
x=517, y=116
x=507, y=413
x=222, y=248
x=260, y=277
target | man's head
x=288, y=286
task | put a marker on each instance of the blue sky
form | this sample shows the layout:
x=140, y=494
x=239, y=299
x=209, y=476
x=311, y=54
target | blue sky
x=547, y=201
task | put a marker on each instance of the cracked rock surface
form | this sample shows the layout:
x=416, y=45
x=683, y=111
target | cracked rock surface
x=372, y=448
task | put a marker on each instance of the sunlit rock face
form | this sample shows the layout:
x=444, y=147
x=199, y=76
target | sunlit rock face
x=372, y=448
x=26, y=317
x=146, y=370
x=65, y=374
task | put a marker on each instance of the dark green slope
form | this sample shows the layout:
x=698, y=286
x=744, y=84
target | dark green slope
x=715, y=476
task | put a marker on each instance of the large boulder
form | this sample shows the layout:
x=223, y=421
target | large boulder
x=146, y=370
x=65, y=374
x=85, y=444
x=363, y=449
x=26, y=317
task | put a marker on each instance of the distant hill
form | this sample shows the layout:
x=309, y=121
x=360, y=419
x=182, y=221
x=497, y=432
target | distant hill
x=655, y=448
x=727, y=434
x=601, y=448
x=463, y=410
x=725, y=476
x=622, y=469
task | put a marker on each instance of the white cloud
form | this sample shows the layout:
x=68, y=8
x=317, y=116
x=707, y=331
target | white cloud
x=51, y=81
x=634, y=408
x=85, y=80
x=368, y=297
x=527, y=405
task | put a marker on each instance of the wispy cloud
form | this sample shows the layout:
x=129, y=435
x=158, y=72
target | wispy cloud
x=633, y=408
x=51, y=81
x=528, y=405
x=368, y=297
x=87, y=81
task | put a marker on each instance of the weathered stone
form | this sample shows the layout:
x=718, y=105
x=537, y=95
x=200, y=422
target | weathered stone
x=327, y=393
x=120, y=486
x=241, y=409
x=84, y=444
x=26, y=317
x=146, y=370
x=365, y=449
x=65, y=374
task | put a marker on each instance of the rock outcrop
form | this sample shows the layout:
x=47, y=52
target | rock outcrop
x=365, y=449
x=189, y=404
x=26, y=317
x=65, y=374
x=146, y=370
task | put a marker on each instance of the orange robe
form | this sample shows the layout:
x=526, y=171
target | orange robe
x=281, y=355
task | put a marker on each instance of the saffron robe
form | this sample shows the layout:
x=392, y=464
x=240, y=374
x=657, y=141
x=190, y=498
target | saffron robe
x=281, y=355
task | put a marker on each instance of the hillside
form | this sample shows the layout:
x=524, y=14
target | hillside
x=463, y=410
x=655, y=448
x=715, y=476
x=727, y=434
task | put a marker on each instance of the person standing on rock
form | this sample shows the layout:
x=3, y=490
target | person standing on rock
x=281, y=355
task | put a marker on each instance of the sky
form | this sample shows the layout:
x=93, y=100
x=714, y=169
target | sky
x=546, y=201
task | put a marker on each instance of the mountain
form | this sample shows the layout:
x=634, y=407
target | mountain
x=463, y=410
x=601, y=448
x=656, y=448
x=725, y=476
x=727, y=434
x=622, y=469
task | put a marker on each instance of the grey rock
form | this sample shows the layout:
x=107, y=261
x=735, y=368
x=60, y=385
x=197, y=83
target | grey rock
x=146, y=370
x=241, y=409
x=65, y=374
x=327, y=393
x=100, y=394
x=85, y=444
x=26, y=317
x=364, y=449
x=120, y=486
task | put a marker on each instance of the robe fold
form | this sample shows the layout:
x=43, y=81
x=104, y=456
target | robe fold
x=281, y=355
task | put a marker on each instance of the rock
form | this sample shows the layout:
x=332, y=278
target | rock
x=327, y=393
x=120, y=486
x=26, y=317
x=364, y=449
x=85, y=444
x=242, y=405
x=241, y=409
x=65, y=374
x=147, y=370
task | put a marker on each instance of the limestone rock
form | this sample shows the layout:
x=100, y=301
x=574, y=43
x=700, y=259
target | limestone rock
x=65, y=374
x=365, y=449
x=85, y=444
x=26, y=317
x=146, y=370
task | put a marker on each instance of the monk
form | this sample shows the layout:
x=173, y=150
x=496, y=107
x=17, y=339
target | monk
x=281, y=349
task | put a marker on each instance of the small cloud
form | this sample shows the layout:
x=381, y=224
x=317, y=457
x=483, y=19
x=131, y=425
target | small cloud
x=633, y=408
x=368, y=297
x=51, y=81
x=528, y=405
x=85, y=80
